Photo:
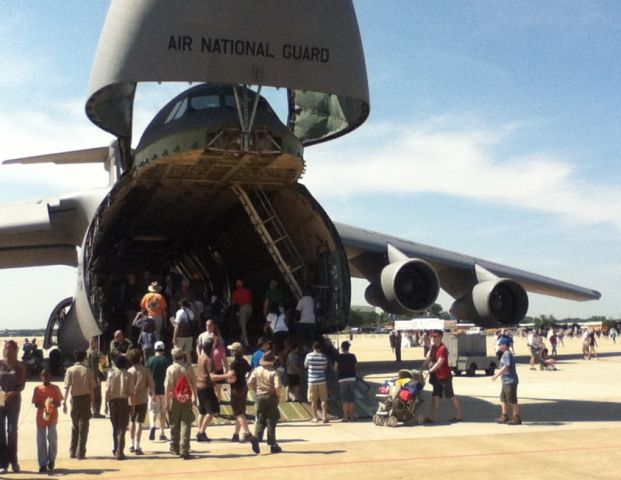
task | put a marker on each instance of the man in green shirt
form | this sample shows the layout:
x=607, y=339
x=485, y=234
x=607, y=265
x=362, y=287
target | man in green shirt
x=157, y=409
x=274, y=296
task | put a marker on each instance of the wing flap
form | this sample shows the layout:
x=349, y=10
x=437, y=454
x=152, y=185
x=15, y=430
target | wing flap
x=27, y=216
x=46, y=232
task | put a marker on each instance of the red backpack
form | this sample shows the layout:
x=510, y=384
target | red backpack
x=182, y=391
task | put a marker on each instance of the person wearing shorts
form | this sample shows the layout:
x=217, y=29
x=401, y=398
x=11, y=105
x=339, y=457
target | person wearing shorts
x=239, y=391
x=157, y=407
x=346, y=370
x=440, y=378
x=144, y=388
x=508, y=393
x=317, y=363
x=208, y=403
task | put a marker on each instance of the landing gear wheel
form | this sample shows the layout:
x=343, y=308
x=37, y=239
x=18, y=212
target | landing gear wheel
x=392, y=421
x=490, y=370
x=379, y=420
x=472, y=369
x=457, y=372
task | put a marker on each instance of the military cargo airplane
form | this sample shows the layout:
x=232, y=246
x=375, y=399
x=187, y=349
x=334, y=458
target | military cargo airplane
x=212, y=188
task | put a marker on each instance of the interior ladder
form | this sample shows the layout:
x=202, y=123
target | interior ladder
x=273, y=234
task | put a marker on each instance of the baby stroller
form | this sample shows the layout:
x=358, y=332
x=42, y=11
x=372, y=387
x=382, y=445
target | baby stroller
x=400, y=400
x=545, y=362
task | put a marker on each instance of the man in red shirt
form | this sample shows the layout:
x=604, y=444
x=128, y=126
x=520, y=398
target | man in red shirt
x=441, y=379
x=242, y=299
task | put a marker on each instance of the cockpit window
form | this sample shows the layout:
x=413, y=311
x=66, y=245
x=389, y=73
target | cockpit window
x=205, y=101
x=229, y=101
x=178, y=110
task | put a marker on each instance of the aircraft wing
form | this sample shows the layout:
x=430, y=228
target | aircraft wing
x=366, y=251
x=45, y=232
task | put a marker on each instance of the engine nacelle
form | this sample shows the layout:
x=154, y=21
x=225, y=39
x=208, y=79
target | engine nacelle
x=404, y=287
x=493, y=303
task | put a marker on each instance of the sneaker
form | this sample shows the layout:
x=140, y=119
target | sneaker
x=152, y=434
x=235, y=437
x=254, y=441
x=502, y=419
x=120, y=456
x=186, y=456
x=51, y=466
x=42, y=469
x=456, y=420
x=132, y=449
x=516, y=420
x=138, y=451
x=202, y=437
x=275, y=449
x=174, y=452
x=72, y=454
x=3, y=470
x=15, y=467
x=247, y=437
x=163, y=438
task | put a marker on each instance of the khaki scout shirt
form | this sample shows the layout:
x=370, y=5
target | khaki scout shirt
x=80, y=380
x=143, y=384
x=265, y=381
x=120, y=384
x=174, y=373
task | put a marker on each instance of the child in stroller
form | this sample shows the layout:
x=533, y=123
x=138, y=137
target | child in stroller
x=545, y=361
x=400, y=399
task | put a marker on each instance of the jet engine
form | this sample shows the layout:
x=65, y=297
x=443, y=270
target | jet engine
x=404, y=287
x=493, y=303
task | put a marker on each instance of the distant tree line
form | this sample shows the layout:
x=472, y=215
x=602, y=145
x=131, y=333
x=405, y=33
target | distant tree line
x=23, y=332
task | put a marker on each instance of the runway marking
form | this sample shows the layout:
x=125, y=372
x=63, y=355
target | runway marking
x=443, y=457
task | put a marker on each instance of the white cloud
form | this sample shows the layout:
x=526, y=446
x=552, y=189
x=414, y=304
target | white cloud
x=438, y=157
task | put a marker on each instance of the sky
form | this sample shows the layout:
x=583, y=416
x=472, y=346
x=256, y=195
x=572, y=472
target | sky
x=495, y=131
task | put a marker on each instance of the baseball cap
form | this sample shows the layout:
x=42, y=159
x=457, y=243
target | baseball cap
x=159, y=346
x=504, y=341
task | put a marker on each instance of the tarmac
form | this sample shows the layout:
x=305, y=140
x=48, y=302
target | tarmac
x=571, y=429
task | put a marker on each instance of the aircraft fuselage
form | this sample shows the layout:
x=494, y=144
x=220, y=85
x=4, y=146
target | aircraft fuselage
x=214, y=199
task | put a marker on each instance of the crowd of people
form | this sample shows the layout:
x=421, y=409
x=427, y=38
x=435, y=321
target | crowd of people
x=165, y=384
x=151, y=378
x=175, y=308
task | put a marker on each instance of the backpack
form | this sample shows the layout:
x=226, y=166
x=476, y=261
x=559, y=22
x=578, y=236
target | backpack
x=182, y=391
x=154, y=303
